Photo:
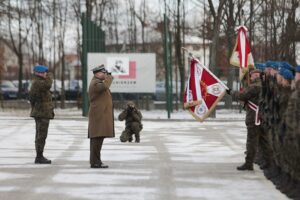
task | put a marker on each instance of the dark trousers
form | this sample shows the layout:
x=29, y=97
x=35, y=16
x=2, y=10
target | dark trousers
x=255, y=137
x=95, y=150
x=251, y=144
x=41, y=126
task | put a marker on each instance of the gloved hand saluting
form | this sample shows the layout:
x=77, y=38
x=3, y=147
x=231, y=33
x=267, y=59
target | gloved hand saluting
x=108, y=80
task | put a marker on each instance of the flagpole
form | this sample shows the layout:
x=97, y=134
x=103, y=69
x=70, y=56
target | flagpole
x=189, y=68
x=191, y=55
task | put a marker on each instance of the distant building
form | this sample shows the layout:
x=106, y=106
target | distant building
x=73, y=67
x=9, y=62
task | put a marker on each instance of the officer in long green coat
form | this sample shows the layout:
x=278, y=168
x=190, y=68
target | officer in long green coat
x=101, y=119
x=41, y=109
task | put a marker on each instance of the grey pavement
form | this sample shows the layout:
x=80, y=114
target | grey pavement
x=184, y=160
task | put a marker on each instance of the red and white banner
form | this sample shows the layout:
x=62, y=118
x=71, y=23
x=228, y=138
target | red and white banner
x=203, y=91
x=241, y=55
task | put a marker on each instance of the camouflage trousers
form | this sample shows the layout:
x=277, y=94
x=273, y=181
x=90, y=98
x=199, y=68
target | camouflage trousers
x=41, y=126
x=255, y=137
x=95, y=150
x=133, y=128
x=292, y=159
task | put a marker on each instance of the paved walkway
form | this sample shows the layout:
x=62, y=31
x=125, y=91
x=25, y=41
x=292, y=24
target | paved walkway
x=175, y=160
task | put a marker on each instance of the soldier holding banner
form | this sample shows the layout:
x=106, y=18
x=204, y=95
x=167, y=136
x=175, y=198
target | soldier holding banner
x=250, y=96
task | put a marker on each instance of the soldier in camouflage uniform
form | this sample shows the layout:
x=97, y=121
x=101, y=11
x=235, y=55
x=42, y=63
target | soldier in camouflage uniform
x=41, y=109
x=132, y=117
x=270, y=102
x=284, y=90
x=251, y=98
x=292, y=140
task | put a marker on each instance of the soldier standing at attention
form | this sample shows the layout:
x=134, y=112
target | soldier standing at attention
x=41, y=109
x=292, y=139
x=101, y=119
x=133, y=123
x=251, y=98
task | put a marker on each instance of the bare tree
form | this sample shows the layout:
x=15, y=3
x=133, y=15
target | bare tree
x=63, y=11
x=217, y=19
x=288, y=37
x=38, y=22
x=89, y=7
x=77, y=10
x=132, y=28
x=142, y=18
x=17, y=15
x=178, y=50
x=232, y=12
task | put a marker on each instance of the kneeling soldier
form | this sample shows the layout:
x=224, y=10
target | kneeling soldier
x=133, y=123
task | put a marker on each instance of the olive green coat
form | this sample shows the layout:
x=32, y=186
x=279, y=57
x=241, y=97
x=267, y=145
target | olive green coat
x=101, y=119
x=40, y=97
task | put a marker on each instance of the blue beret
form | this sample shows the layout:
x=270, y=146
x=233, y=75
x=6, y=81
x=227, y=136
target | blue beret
x=272, y=64
x=287, y=74
x=297, y=69
x=286, y=65
x=260, y=66
x=40, y=68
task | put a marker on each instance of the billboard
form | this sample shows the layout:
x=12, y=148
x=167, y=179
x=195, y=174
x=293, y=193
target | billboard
x=132, y=72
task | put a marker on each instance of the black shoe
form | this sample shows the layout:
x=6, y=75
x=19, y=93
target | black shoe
x=245, y=167
x=101, y=165
x=42, y=160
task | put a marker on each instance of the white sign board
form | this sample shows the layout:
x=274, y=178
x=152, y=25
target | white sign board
x=133, y=72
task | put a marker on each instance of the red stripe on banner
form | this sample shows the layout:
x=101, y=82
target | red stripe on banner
x=210, y=100
x=242, y=32
x=132, y=71
x=192, y=108
x=207, y=78
x=206, y=81
x=192, y=80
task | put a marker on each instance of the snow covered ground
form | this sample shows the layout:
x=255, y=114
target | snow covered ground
x=75, y=113
x=178, y=159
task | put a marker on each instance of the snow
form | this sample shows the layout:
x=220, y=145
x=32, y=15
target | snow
x=176, y=159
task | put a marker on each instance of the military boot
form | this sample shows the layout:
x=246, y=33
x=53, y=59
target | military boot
x=123, y=138
x=137, y=138
x=40, y=159
x=245, y=166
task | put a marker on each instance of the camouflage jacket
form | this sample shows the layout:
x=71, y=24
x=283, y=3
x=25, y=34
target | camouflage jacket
x=292, y=114
x=40, y=97
x=284, y=95
x=251, y=93
x=130, y=116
